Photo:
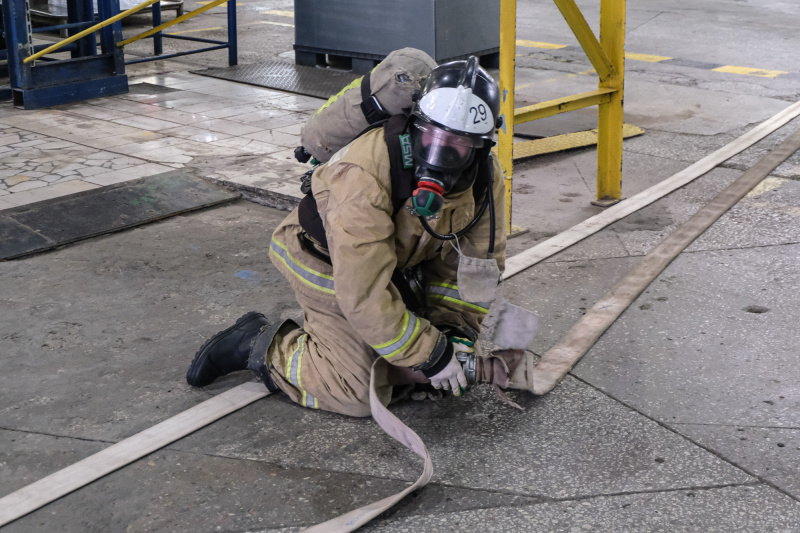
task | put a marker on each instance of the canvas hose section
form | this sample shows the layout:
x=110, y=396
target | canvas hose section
x=548, y=372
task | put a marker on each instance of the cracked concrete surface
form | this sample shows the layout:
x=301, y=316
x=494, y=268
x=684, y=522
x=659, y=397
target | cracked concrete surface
x=683, y=417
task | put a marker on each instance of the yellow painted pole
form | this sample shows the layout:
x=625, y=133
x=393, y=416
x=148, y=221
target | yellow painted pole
x=505, y=140
x=89, y=30
x=172, y=22
x=609, y=115
x=594, y=50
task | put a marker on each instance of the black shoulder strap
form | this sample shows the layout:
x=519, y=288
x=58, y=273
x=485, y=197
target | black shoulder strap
x=402, y=178
x=310, y=220
x=485, y=170
x=370, y=106
x=401, y=162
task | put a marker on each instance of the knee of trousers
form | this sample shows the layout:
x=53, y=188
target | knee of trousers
x=343, y=404
x=312, y=378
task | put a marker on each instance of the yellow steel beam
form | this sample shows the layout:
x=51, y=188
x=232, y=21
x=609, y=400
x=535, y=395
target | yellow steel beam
x=505, y=141
x=609, y=115
x=89, y=30
x=594, y=51
x=562, y=105
x=172, y=22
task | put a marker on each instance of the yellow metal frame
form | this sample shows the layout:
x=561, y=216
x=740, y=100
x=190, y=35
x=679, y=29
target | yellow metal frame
x=607, y=56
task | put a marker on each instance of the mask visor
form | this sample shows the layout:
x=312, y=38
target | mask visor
x=442, y=150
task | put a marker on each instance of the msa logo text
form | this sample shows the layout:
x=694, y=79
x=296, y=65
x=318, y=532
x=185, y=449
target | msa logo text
x=405, y=148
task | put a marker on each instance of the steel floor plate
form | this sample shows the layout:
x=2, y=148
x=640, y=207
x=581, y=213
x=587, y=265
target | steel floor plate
x=44, y=225
x=560, y=143
x=309, y=81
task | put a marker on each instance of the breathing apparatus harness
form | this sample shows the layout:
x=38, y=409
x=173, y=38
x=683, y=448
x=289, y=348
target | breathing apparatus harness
x=403, y=188
x=453, y=116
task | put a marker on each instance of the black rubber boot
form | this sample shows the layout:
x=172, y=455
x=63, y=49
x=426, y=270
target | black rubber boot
x=257, y=361
x=227, y=351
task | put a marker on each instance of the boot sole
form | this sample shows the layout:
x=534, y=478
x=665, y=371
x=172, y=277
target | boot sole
x=194, y=380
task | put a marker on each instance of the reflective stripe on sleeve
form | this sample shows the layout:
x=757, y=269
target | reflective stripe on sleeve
x=449, y=293
x=410, y=330
x=309, y=276
x=293, y=367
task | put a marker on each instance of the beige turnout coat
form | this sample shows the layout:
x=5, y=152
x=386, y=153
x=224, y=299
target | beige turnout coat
x=353, y=311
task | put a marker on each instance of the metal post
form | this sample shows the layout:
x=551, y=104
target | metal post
x=111, y=34
x=158, y=41
x=609, y=115
x=81, y=11
x=233, y=48
x=105, y=11
x=505, y=140
x=17, y=27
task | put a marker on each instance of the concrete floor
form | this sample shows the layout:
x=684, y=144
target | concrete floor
x=683, y=417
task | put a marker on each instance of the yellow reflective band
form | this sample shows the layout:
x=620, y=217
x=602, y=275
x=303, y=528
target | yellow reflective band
x=459, y=302
x=413, y=336
x=294, y=367
x=404, y=346
x=293, y=364
x=450, y=293
x=389, y=343
x=355, y=83
x=402, y=341
x=313, y=404
x=299, y=353
x=309, y=276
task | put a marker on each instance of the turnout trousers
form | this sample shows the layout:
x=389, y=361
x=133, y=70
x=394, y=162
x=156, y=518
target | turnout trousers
x=325, y=364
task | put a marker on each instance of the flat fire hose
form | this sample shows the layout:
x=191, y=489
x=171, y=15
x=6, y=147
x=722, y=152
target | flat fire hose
x=590, y=226
x=39, y=493
x=560, y=359
x=553, y=366
x=402, y=434
x=75, y=476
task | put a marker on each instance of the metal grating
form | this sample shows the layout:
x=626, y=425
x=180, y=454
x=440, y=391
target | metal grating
x=310, y=81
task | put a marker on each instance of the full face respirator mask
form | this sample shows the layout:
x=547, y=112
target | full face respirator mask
x=444, y=164
x=451, y=125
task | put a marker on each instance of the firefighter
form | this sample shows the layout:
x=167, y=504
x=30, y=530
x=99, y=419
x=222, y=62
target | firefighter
x=376, y=279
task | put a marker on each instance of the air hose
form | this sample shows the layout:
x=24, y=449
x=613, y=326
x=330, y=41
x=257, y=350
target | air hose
x=488, y=202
